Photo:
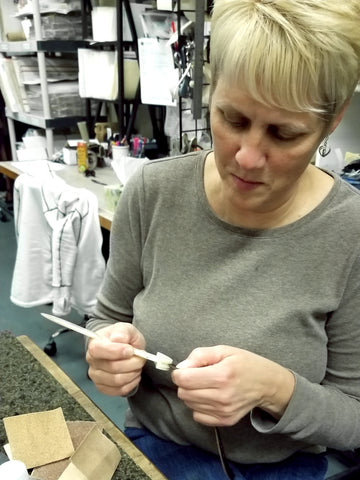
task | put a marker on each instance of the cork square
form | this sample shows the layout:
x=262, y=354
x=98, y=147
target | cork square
x=39, y=438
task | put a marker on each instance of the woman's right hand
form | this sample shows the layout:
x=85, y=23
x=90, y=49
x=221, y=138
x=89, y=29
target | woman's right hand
x=112, y=365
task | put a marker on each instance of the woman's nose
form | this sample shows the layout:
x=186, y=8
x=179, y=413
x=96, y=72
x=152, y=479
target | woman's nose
x=251, y=152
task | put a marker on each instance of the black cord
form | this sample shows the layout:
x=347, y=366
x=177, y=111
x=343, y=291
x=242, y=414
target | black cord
x=224, y=463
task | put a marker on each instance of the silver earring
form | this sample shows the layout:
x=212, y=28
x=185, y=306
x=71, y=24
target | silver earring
x=324, y=148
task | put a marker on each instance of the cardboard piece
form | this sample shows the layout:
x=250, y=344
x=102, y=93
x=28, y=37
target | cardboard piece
x=78, y=431
x=39, y=438
x=97, y=457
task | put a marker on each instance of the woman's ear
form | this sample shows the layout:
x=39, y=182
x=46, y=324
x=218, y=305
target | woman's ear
x=339, y=116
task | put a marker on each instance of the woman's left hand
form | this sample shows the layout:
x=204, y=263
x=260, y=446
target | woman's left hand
x=222, y=384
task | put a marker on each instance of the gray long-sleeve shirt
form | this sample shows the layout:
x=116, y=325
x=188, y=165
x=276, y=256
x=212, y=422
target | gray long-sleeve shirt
x=186, y=279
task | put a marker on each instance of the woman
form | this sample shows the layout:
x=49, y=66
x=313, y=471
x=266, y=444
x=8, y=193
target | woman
x=243, y=262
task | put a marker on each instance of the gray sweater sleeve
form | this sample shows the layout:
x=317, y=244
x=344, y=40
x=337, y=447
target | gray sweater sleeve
x=329, y=413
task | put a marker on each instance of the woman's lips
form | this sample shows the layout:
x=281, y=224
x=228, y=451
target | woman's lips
x=245, y=185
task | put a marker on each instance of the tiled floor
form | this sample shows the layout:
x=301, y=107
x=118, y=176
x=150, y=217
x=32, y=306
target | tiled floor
x=70, y=346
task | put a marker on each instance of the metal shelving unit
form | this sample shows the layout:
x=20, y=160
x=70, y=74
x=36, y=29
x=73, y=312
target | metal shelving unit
x=39, y=47
x=42, y=122
x=125, y=109
x=197, y=107
x=33, y=46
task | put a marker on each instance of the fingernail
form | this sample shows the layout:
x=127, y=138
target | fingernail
x=183, y=364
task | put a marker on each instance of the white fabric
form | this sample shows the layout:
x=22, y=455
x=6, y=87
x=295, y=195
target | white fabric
x=59, y=257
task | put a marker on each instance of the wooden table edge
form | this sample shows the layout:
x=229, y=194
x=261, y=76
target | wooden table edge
x=101, y=419
x=105, y=222
x=12, y=173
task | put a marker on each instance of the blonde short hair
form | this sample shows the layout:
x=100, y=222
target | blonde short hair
x=300, y=55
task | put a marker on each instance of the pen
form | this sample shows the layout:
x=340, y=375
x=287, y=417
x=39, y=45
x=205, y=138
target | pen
x=98, y=181
x=173, y=29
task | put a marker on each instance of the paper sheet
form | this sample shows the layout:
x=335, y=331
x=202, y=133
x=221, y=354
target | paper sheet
x=39, y=438
x=164, y=4
x=98, y=74
x=96, y=458
x=158, y=76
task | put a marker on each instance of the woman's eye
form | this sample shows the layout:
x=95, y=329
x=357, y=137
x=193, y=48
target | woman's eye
x=283, y=136
x=236, y=121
